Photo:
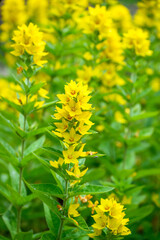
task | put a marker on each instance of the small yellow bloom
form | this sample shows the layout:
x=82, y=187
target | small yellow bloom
x=92, y=205
x=72, y=211
x=71, y=137
x=58, y=163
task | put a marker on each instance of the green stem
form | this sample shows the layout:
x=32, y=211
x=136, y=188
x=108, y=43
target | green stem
x=19, y=209
x=62, y=218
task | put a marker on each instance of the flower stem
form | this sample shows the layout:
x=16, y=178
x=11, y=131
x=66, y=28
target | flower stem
x=62, y=218
x=19, y=209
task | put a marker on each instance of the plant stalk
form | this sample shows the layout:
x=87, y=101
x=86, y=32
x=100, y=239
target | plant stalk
x=19, y=209
x=64, y=205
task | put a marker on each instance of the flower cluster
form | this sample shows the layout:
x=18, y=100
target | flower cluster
x=137, y=39
x=109, y=213
x=13, y=14
x=74, y=123
x=28, y=39
x=95, y=19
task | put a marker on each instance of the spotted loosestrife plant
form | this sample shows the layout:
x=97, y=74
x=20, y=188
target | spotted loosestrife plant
x=65, y=200
x=28, y=46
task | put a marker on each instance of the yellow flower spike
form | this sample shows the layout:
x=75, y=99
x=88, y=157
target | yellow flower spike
x=110, y=214
x=13, y=14
x=72, y=211
x=71, y=137
x=29, y=39
x=137, y=39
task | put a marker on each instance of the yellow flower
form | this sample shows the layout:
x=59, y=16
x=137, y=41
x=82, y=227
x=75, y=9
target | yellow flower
x=71, y=89
x=95, y=18
x=82, y=128
x=70, y=156
x=121, y=17
x=110, y=214
x=64, y=98
x=73, y=108
x=13, y=15
x=61, y=126
x=96, y=233
x=76, y=172
x=156, y=199
x=92, y=205
x=83, y=102
x=72, y=211
x=29, y=39
x=119, y=117
x=155, y=84
x=71, y=137
x=137, y=39
x=37, y=11
x=43, y=93
x=58, y=163
x=106, y=204
x=100, y=222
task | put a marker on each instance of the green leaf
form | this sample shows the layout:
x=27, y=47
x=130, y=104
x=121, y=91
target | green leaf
x=14, y=176
x=135, y=215
x=10, y=151
x=9, y=219
x=4, y=238
x=39, y=130
x=74, y=233
x=4, y=191
x=34, y=89
x=18, y=200
x=53, y=221
x=46, y=164
x=49, y=189
x=29, y=107
x=144, y=115
x=93, y=174
x=48, y=236
x=89, y=189
x=81, y=222
x=48, y=200
x=53, y=151
x=147, y=172
x=46, y=105
x=14, y=105
x=34, y=146
x=24, y=236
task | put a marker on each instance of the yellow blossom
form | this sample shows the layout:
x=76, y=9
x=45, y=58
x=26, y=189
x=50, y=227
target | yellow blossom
x=72, y=211
x=29, y=39
x=58, y=163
